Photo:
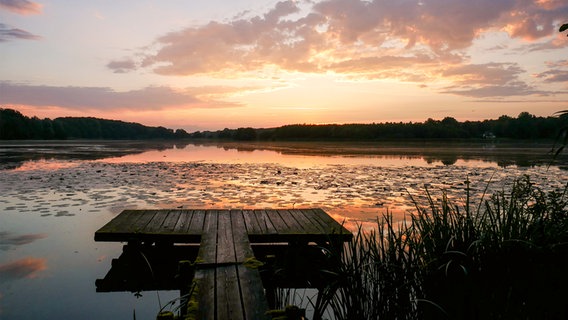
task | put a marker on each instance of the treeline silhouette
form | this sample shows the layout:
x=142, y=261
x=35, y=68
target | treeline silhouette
x=525, y=126
x=16, y=126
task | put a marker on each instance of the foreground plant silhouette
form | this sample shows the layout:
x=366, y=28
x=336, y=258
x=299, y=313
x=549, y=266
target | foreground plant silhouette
x=502, y=258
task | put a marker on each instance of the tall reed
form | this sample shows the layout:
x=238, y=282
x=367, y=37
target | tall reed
x=504, y=258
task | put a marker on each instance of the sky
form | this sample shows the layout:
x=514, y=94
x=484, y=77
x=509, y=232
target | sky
x=209, y=65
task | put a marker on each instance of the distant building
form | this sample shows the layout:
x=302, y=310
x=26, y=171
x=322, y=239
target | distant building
x=488, y=135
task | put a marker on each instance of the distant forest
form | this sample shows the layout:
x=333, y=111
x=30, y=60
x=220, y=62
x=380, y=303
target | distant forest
x=523, y=127
x=14, y=125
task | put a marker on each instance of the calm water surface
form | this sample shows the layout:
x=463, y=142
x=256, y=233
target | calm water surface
x=55, y=195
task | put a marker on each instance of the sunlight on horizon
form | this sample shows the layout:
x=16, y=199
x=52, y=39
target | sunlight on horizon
x=207, y=66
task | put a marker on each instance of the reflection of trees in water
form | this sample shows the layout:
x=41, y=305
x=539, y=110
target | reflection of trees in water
x=14, y=156
x=447, y=160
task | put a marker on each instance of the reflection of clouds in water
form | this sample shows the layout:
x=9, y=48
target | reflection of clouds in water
x=24, y=268
x=7, y=240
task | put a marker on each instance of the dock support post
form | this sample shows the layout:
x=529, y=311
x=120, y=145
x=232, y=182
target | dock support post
x=186, y=270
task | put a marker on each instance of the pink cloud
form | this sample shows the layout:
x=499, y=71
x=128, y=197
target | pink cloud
x=483, y=74
x=149, y=98
x=23, y=268
x=23, y=7
x=333, y=34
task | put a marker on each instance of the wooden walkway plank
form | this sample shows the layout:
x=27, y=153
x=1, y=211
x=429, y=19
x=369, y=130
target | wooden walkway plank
x=242, y=247
x=225, y=245
x=254, y=300
x=208, y=248
x=279, y=224
x=206, y=290
x=184, y=221
x=251, y=223
x=125, y=228
x=266, y=226
x=155, y=224
x=293, y=225
x=119, y=222
x=298, y=222
x=206, y=277
x=139, y=226
x=305, y=222
x=314, y=221
x=228, y=294
x=169, y=224
x=197, y=222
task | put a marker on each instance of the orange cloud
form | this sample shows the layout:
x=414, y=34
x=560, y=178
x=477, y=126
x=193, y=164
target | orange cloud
x=23, y=7
x=353, y=37
x=23, y=268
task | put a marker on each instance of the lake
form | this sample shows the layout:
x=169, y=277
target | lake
x=56, y=194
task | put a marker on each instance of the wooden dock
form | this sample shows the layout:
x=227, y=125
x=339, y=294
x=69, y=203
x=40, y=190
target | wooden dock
x=228, y=287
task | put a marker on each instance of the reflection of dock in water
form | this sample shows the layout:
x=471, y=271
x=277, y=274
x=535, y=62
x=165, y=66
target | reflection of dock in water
x=227, y=263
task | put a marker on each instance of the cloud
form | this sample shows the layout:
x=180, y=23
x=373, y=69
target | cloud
x=23, y=7
x=489, y=80
x=551, y=76
x=492, y=91
x=100, y=98
x=238, y=45
x=8, y=33
x=483, y=74
x=7, y=240
x=23, y=268
x=122, y=66
x=557, y=73
x=333, y=34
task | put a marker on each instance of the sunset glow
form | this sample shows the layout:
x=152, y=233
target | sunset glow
x=209, y=65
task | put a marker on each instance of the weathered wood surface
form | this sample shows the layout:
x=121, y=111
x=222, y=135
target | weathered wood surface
x=228, y=287
x=187, y=226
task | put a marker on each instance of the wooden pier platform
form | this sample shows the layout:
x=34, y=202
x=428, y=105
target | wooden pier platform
x=228, y=287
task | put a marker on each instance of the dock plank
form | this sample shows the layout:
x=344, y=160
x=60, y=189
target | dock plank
x=206, y=288
x=225, y=244
x=279, y=223
x=197, y=222
x=251, y=223
x=184, y=221
x=155, y=224
x=208, y=247
x=139, y=226
x=171, y=220
x=254, y=300
x=266, y=226
x=121, y=221
x=242, y=247
x=293, y=225
x=228, y=294
x=314, y=221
